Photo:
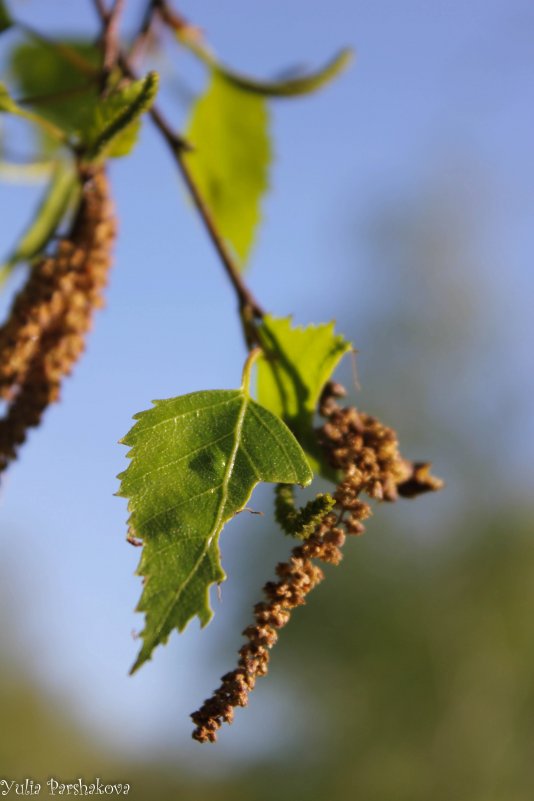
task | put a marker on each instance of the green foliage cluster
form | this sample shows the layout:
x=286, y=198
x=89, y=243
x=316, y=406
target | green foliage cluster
x=415, y=669
x=58, y=83
x=229, y=131
x=195, y=462
x=297, y=362
x=195, y=459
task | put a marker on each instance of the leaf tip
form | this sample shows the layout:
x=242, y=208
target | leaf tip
x=308, y=478
x=136, y=665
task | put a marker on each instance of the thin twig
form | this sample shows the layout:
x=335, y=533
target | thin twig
x=145, y=30
x=69, y=54
x=53, y=97
x=247, y=301
x=101, y=9
x=110, y=37
x=178, y=148
x=248, y=305
x=172, y=18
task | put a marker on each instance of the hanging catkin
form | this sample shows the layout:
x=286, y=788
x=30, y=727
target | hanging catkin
x=366, y=454
x=45, y=332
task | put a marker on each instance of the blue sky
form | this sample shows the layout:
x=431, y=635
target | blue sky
x=439, y=93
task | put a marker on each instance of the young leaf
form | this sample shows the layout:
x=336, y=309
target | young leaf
x=117, y=118
x=290, y=87
x=229, y=131
x=195, y=461
x=58, y=196
x=5, y=18
x=59, y=80
x=25, y=172
x=9, y=106
x=291, y=375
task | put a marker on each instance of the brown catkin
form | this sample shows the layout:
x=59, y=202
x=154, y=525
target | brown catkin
x=366, y=453
x=45, y=332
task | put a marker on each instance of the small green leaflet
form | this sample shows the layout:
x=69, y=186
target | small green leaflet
x=300, y=84
x=9, y=106
x=229, y=131
x=60, y=193
x=297, y=364
x=195, y=460
x=291, y=87
x=65, y=75
x=104, y=128
x=27, y=172
x=117, y=118
x=5, y=19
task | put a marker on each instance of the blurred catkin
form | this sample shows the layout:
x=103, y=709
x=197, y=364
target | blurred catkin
x=44, y=334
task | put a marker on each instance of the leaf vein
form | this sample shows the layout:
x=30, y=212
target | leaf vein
x=174, y=417
x=181, y=503
x=216, y=526
x=274, y=436
x=180, y=458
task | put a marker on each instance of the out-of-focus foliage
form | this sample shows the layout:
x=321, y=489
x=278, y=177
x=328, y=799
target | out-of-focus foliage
x=229, y=131
x=114, y=127
x=5, y=19
x=10, y=106
x=297, y=363
x=415, y=667
x=298, y=84
x=59, y=81
x=408, y=675
x=232, y=151
x=411, y=668
x=59, y=84
x=60, y=193
x=427, y=677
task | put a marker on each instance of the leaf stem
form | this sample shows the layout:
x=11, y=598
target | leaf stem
x=51, y=129
x=246, y=300
x=53, y=97
x=192, y=39
x=144, y=32
x=69, y=54
x=247, y=369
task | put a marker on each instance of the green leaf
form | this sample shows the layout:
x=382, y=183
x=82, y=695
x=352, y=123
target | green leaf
x=291, y=87
x=59, y=80
x=229, y=131
x=195, y=461
x=59, y=195
x=27, y=172
x=297, y=364
x=117, y=118
x=9, y=106
x=5, y=18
